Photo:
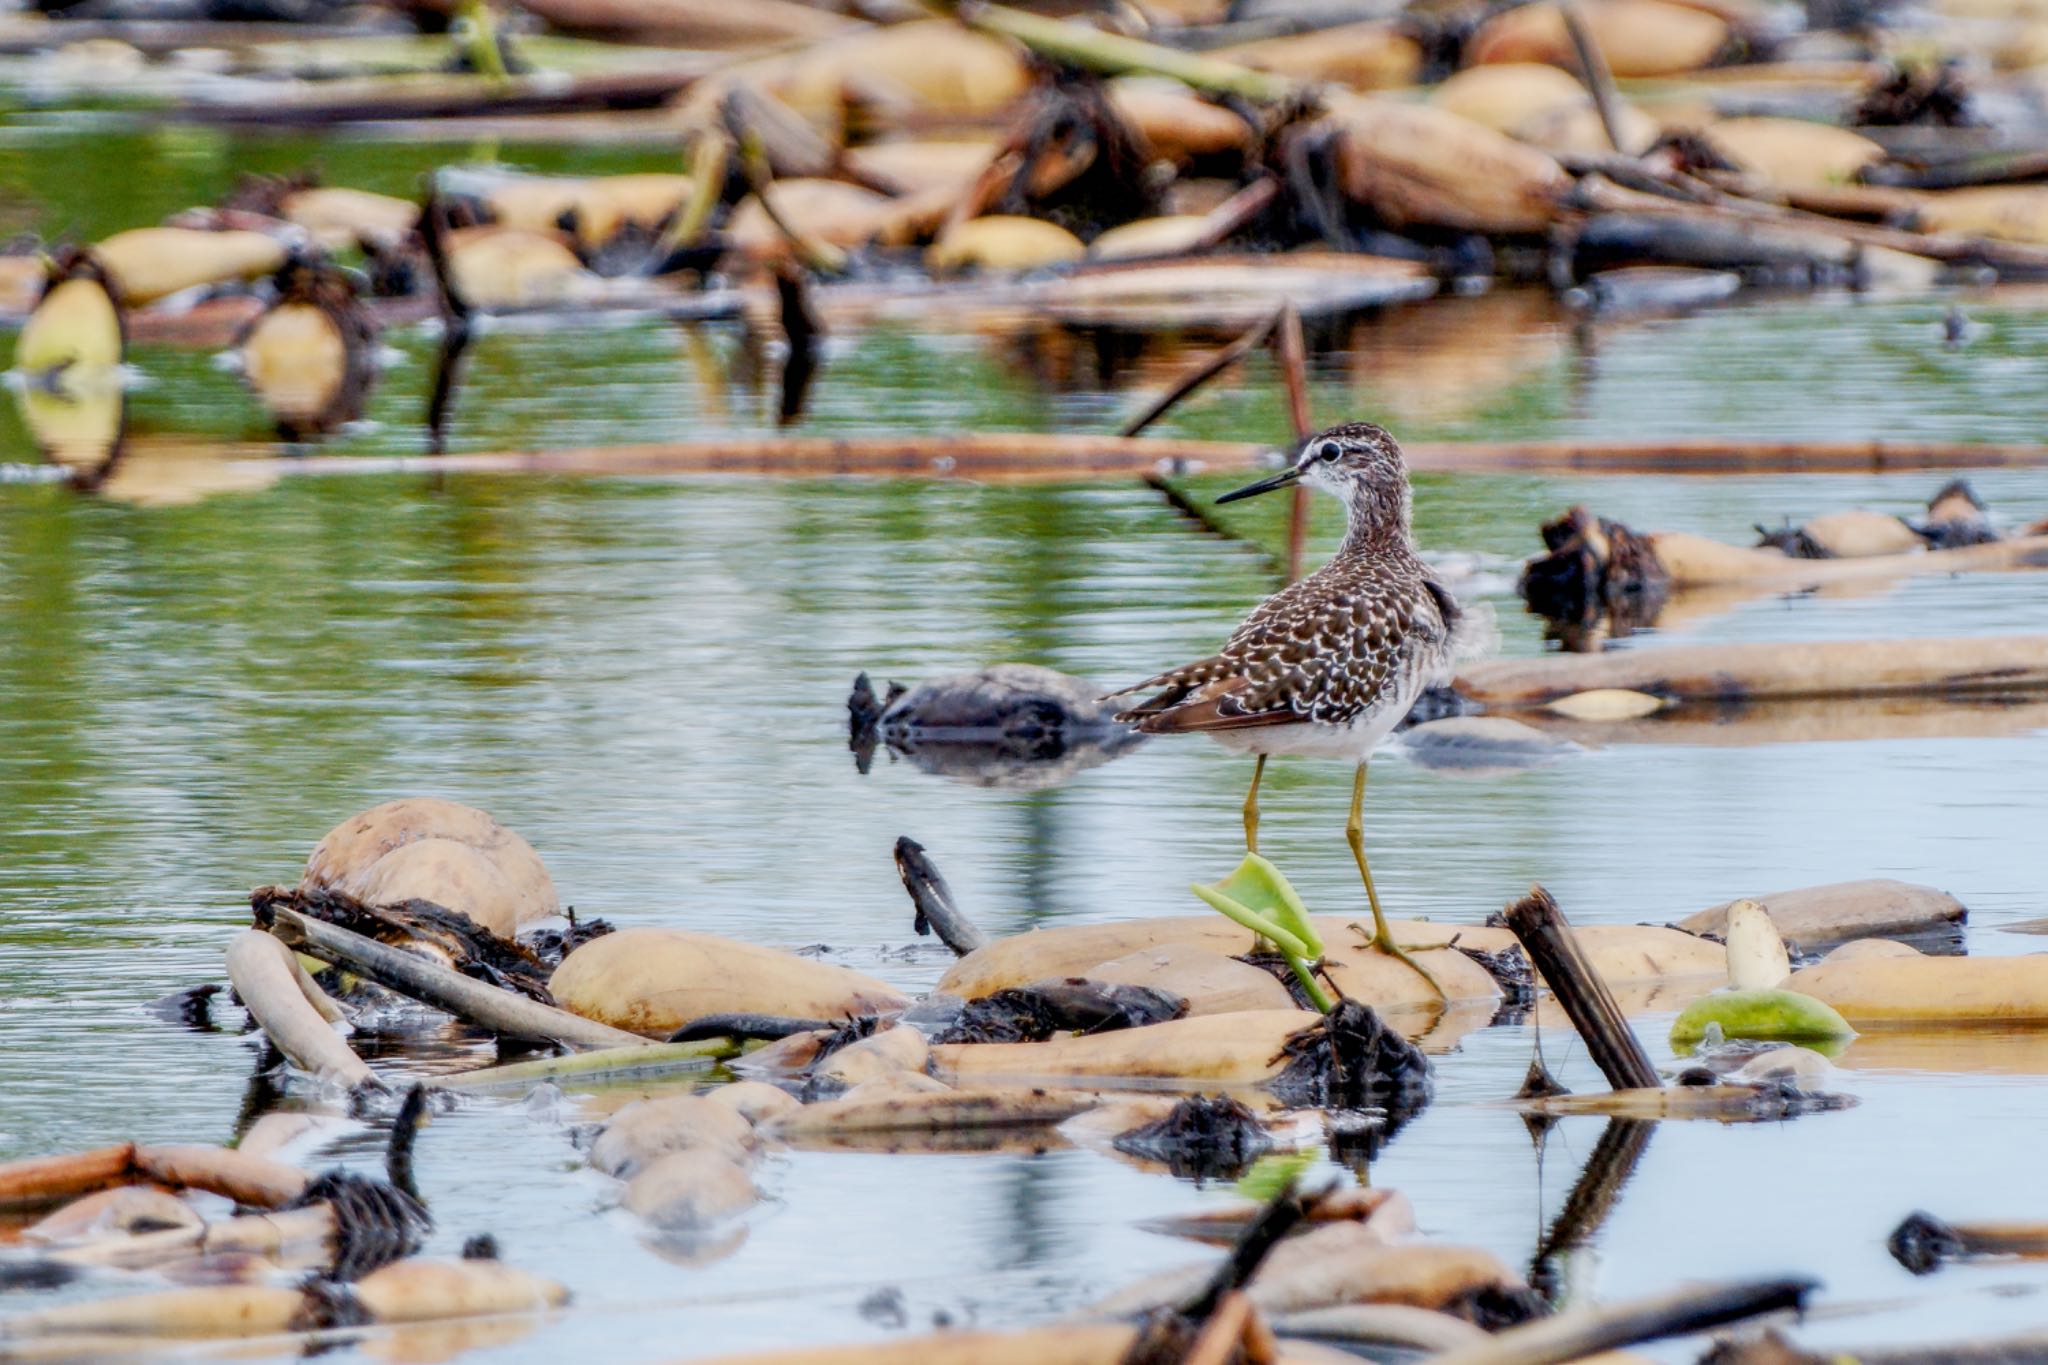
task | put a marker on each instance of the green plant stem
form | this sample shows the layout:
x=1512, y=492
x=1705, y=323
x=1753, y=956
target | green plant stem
x=1116, y=55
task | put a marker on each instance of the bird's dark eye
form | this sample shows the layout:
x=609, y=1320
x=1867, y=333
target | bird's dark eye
x=1328, y=450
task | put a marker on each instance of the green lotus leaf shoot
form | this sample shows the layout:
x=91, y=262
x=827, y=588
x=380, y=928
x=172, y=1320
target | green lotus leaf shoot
x=1272, y=1173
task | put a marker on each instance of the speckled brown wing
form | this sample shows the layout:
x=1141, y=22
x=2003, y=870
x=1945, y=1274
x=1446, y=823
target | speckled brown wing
x=1323, y=651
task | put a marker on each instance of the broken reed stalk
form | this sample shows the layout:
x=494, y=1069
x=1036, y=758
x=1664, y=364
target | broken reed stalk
x=1293, y=348
x=501, y=1011
x=992, y=456
x=1594, y=72
x=1191, y=379
x=1574, y=1335
x=1115, y=55
x=645, y=1059
x=1237, y=212
x=937, y=911
x=1546, y=936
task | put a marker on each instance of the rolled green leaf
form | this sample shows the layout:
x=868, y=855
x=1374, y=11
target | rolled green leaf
x=1258, y=886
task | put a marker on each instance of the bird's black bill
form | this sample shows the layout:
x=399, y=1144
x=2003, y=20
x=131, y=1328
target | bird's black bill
x=1251, y=490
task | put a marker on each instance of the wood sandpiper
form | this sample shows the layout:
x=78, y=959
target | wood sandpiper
x=1327, y=666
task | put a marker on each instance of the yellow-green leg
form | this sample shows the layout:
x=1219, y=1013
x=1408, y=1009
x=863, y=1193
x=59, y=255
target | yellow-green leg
x=1382, y=937
x=1251, y=809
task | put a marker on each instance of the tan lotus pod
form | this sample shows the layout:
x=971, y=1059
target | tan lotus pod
x=485, y=870
x=830, y=210
x=1191, y=1053
x=296, y=359
x=534, y=203
x=647, y=1130
x=1003, y=243
x=1871, y=986
x=1504, y=95
x=1637, y=37
x=755, y=1101
x=420, y=1290
x=1175, y=122
x=149, y=263
x=1859, y=533
x=1788, y=153
x=690, y=1190
x=1414, y=163
x=901, y=1049
x=2008, y=213
x=930, y=67
x=501, y=267
x=603, y=207
x=1338, y=1263
x=1578, y=131
x=914, y=166
x=339, y=217
x=1173, y=235
x=458, y=877
x=657, y=980
x=74, y=336
x=1209, y=981
x=1606, y=704
x=1374, y=55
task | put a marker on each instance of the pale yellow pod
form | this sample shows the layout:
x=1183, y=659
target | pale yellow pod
x=690, y=1190
x=497, y=267
x=1884, y=988
x=457, y=877
x=1637, y=37
x=657, y=980
x=1504, y=95
x=1173, y=235
x=76, y=327
x=1373, y=55
x=1175, y=123
x=1859, y=534
x=420, y=1290
x=911, y=166
x=2010, y=213
x=898, y=1049
x=148, y=263
x=296, y=359
x=1416, y=163
x=1788, y=153
x=1187, y=1053
x=1209, y=981
x=338, y=216
x=1002, y=243
x=1606, y=703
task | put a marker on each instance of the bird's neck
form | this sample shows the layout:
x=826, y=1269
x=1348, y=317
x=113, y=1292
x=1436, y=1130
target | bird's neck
x=1376, y=522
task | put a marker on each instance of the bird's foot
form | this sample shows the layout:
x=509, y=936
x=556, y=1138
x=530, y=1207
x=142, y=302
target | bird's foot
x=1381, y=940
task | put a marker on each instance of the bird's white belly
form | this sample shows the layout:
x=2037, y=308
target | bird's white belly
x=1355, y=741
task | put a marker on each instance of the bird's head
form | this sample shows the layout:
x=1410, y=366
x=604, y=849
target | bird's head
x=1359, y=463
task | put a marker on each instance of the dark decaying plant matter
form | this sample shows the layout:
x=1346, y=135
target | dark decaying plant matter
x=1205, y=1137
x=1352, y=1060
x=1034, y=1013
